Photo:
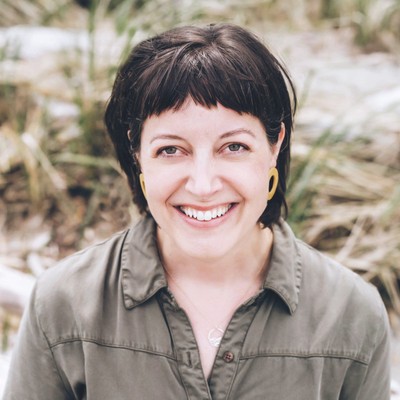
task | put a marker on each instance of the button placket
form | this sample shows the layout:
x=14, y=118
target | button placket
x=186, y=349
x=227, y=361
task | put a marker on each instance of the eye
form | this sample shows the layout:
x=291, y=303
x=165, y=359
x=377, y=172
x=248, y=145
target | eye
x=235, y=148
x=167, y=151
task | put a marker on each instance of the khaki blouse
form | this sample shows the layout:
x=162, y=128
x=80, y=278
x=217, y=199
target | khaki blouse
x=103, y=325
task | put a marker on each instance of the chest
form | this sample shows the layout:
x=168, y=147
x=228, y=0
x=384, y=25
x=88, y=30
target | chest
x=260, y=357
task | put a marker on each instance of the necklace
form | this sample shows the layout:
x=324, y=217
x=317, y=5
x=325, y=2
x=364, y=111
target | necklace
x=216, y=333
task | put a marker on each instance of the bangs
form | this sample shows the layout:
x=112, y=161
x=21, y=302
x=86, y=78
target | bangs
x=208, y=75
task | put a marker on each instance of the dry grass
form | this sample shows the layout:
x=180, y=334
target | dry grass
x=349, y=207
x=59, y=180
x=39, y=12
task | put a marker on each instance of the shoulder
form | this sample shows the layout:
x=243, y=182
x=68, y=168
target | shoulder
x=333, y=311
x=73, y=297
x=305, y=276
x=82, y=269
x=337, y=300
x=88, y=268
x=334, y=282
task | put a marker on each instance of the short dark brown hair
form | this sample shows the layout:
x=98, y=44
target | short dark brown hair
x=222, y=64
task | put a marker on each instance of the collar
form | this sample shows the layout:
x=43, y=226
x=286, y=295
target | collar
x=142, y=272
x=143, y=275
x=285, y=271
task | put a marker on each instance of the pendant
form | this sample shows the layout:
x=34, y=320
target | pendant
x=215, y=336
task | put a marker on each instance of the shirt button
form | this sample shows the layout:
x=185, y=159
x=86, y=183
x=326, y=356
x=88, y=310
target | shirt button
x=228, y=356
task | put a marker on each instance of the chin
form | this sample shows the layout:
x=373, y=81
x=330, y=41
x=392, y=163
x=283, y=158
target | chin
x=209, y=250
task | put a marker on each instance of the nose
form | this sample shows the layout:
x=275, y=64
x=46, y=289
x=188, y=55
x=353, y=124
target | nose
x=203, y=177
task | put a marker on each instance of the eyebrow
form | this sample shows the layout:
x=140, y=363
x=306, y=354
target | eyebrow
x=166, y=136
x=236, y=132
x=223, y=136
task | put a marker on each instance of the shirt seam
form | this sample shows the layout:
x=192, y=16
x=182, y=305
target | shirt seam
x=112, y=345
x=350, y=357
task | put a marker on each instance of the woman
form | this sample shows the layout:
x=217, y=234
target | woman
x=210, y=295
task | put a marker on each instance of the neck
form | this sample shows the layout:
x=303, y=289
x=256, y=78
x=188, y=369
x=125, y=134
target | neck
x=242, y=265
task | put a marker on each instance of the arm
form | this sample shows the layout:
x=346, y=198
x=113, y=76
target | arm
x=376, y=384
x=33, y=372
x=371, y=381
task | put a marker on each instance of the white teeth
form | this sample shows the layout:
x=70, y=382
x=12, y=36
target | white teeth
x=206, y=215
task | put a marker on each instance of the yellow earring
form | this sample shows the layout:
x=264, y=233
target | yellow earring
x=273, y=173
x=142, y=185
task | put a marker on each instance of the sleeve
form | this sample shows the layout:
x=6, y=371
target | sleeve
x=33, y=372
x=376, y=384
x=371, y=381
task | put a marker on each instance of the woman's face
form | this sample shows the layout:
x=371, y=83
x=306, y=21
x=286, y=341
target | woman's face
x=206, y=178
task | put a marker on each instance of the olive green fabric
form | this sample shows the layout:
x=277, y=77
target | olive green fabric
x=102, y=325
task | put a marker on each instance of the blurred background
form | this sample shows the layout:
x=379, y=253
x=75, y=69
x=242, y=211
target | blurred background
x=61, y=188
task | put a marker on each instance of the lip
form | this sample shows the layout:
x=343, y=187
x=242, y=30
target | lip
x=204, y=208
x=206, y=223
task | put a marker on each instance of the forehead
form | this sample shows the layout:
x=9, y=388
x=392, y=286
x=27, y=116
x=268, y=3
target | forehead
x=194, y=120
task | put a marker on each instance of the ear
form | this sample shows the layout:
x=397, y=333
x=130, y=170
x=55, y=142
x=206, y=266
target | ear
x=276, y=148
x=136, y=154
x=136, y=159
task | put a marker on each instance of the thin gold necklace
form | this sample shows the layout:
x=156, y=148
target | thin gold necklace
x=216, y=333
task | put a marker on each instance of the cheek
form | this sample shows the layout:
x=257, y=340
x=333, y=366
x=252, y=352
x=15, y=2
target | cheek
x=157, y=189
x=161, y=183
x=252, y=184
x=260, y=174
x=262, y=183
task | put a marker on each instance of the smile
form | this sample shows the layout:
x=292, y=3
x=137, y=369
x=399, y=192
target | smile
x=208, y=215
